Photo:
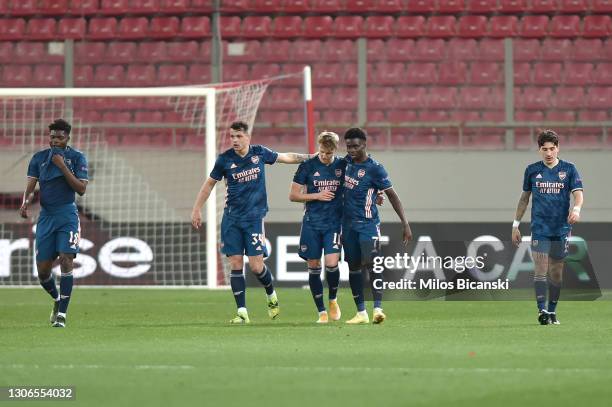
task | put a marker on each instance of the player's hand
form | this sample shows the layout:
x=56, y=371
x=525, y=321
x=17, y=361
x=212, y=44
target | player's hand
x=325, y=196
x=196, y=219
x=573, y=217
x=407, y=234
x=58, y=160
x=516, y=236
x=23, y=211
x=380, y=198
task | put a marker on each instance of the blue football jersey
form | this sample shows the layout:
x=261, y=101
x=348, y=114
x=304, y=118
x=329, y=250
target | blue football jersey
x=551, y=189
x=245, y=181
x=55, y=192
x=318, y=177
x=362, y=181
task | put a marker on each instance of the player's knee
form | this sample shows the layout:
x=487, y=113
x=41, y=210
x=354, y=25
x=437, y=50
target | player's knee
x=314, y=263
x=65, y=260
x=236, y=262
x=44, y=270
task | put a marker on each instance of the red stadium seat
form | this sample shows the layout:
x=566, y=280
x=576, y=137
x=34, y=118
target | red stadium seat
x=522, y=73
x=48, y=76
x=593, y=115
x=503, y=26
x=272, y=117
x=349, y=26
x=23, y=7
x=401, y=115
x=199, y=74
x=561, y=116
x=485, y=73
x=155, y=51
x=601, y=6
x=399, y=49
x=493, y=115
x=323, y=98
x=148, y=117
x=387, y=73
x=102, y=28
x=411, y=97
x=172, y=75
x=327, y=74
x=235, y=72
x=599, y=97
x=288, y=27
x=285, y=98
x=195, y=27
x=307, y=50
x=421, y=6
x=52, y=7
x=533, y=26
x=83, y=7
x=526, y=50
x=164, y=27
x=472, y=26
x=565, y=26
x=554, y=49
x=42, y=29
x=339, y=117
x=140, y=75
x=117, y=117
x=359, y=6
x=71, y=28
x=389, y=6
x=296, y=6
x=380, y=97
x=265, y=6
x=491, y=50
x=144, y=6
x=318, y=27
x=7, y=52
x=235, y=5
x=441, y=26
x=89, y=52
x=263, y=70
x=256, y=26
x=275, y=51
x=547, y=73
x=133, y=27
x=421, y=73
x=429, y=50
x=482, y=6
x=535, y=98
x=578, y=74
x=242, y=51
x=28, y=52
x=83, y=75
x=376, y=50
x=474, y=97
x=453, y=73
x=230, y=27
x=109, y=75
x=569, y=98
x=606, y=55
x=587, y=50
x=174, y=6
x=379, y=26
x=119, y=52
x=17, y=75
x=597, y=26
x=340, y=50
x=542, y=6
x=410, y=26
x=603, y=74
x=462, y=49
x=348, y=96
x=114, y=7
x=183, y=51
x=512, y=6
x=434, y=116
x=529, y=115
x=442, y=98
x=572, y=6
x=451, y=6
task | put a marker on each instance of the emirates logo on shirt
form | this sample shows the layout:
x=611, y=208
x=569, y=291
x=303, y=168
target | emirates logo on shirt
x=562, y=175
x=255, y=159
x=361, y=173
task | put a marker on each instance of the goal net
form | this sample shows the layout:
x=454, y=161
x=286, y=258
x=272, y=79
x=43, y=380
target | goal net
x=149, y=150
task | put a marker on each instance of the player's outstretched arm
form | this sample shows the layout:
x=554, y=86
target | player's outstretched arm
x=520, y=211
x=399, y=209
x=297, y=194
x=574, y=215
x=196, y=213
x=78, y=185
x=30, y=186
x=292, y=158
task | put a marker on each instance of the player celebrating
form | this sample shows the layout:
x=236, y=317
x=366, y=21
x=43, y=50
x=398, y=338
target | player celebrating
x=363, y=179
x=61, y=171
x=321, y=177
x=551, y=181
x=242, y=230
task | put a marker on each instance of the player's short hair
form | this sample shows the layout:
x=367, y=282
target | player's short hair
x=328, y=139
x=355, y=132
x=60, y=124
x=240, y=126
x=548, y=136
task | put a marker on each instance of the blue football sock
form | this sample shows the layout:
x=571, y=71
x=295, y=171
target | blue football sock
x=50, y=287
x=333, y=280
x=539, y=282
x=316, y=287
x=554, y=292
x=356, y=283
x=377, y=295
x=265, y=278
x=238, y=285
x=66, y=282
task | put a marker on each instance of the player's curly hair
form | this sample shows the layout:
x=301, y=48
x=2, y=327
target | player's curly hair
x=61, y=124
x=328, y=139
x=355, y=132
x=547, y=136
x=240, y=126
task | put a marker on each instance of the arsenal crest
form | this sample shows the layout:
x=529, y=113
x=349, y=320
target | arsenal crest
x=338, y=172
x=562, y=175
x=303, y=247
x=361, y=173
x=255, y=159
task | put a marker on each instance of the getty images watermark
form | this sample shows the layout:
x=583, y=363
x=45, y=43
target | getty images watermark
x=411, y=265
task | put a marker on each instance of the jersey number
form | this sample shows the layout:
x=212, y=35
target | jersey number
x=74, y=239
x=258, y=238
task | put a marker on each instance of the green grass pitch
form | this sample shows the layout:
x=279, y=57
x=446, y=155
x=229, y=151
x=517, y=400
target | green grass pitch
x=175, y=348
